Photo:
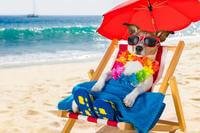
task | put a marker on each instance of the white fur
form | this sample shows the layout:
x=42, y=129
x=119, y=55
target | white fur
x=75, y=107
x=132, y=67
x=131, y=49
x=101, y=82
x=141, y=88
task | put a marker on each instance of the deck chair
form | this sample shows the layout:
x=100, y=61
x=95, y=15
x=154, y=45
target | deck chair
x=168, y=80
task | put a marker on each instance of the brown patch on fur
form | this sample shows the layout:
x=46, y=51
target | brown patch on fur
x=133, y=29
x=162, y=35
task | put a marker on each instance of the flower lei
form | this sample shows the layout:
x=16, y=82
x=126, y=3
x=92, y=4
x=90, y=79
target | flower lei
x=149, y=66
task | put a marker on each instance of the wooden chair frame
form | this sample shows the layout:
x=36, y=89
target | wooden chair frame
x=169, y=80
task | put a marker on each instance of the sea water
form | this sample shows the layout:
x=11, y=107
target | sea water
x=54, y=39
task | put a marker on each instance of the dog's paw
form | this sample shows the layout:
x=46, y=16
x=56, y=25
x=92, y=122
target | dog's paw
x=129, y=100
x=97, y=87
x=75, y=107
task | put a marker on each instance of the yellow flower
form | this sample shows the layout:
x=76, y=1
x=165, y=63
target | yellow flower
x=122, y=59
x=130, y=57
x=149, y=70
x=147, y=62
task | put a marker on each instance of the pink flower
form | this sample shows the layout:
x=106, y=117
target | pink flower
x=117, y=71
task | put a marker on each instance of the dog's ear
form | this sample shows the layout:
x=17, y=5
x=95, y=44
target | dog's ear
x=132, y=29
x=163, y=35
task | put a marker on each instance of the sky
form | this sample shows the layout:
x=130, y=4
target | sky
x=57, y=7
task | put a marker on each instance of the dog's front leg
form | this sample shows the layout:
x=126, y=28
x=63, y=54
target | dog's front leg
x=141, y=88
x=101, y=82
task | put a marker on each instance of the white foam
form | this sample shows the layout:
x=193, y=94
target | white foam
x=40, y=58
x=40, y=28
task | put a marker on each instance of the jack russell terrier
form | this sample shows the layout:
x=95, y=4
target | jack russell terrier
x=141, y=43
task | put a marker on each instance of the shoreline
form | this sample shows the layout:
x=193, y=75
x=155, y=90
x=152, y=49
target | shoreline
x=84, y=58
x=88, y=60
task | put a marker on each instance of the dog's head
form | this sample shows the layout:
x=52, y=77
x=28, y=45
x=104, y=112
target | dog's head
x=145, y=43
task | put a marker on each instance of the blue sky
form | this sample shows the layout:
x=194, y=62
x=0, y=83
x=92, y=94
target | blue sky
x=57, y=7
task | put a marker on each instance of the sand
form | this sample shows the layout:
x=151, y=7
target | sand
x=29, y=94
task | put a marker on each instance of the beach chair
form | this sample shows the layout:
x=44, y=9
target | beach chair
x=168, y=80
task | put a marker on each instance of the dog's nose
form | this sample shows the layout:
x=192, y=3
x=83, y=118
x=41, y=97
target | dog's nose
x=139, y=49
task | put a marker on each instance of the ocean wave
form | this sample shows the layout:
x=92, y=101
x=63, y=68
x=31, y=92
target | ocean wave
x=46, y=33
x=69, y=33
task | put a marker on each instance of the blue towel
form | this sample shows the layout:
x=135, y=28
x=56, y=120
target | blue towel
x=143, y=115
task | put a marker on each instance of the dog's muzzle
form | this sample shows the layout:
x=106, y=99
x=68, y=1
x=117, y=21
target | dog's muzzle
x=138, y=49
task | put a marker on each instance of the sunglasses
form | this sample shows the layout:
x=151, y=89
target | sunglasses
x=147, y=41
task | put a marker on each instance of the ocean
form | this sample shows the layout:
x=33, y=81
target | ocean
x=55, y=39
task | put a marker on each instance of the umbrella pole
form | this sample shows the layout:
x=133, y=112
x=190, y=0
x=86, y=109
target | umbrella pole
x=150, y=7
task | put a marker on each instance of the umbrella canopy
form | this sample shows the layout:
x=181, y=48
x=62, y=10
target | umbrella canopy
x=149, y=15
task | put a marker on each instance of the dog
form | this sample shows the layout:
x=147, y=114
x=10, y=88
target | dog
x=138, y=44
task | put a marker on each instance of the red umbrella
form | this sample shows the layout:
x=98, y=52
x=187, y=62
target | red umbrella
x=149, y=15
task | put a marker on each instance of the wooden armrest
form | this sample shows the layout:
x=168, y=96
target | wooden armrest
x=90, y=73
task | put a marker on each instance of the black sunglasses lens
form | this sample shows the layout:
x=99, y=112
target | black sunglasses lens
x=150, y=42
x=133, y=40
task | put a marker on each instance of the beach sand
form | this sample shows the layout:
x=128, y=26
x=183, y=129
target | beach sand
x=29, y=95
